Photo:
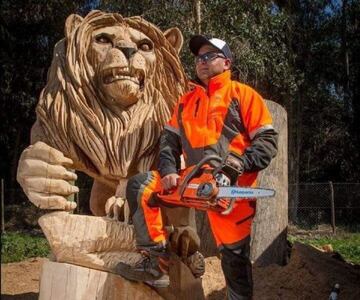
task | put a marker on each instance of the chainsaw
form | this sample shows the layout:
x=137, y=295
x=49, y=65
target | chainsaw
x=198, y=188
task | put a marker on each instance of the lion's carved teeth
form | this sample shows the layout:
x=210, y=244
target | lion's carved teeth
x=113, y=74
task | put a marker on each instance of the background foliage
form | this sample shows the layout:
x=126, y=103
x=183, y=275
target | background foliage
x=301, y=54
x=19, y=246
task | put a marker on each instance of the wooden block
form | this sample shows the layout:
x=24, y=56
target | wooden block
x=183, y=284
x=94, y=242
x=61, y=281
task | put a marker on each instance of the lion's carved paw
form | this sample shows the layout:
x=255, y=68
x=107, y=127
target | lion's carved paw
x=114, y=207
x=44, y=174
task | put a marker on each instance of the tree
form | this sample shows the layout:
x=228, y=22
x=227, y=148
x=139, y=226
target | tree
x=301, y=54
x=28, y=32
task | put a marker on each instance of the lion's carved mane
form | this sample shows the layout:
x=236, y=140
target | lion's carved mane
x=75, y=120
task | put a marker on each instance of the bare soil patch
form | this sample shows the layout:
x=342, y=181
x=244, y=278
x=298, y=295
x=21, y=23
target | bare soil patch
x=310, y=274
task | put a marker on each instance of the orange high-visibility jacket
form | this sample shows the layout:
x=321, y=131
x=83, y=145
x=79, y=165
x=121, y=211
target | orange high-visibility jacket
x=227, y=116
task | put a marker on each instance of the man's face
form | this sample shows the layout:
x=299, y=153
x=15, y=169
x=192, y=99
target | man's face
x=213, y=67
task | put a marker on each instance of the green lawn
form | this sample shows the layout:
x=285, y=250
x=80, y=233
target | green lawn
x=16, y=246
x=347, y=244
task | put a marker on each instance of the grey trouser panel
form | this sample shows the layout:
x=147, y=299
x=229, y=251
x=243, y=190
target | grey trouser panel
x=134, y=191
x=237, y=269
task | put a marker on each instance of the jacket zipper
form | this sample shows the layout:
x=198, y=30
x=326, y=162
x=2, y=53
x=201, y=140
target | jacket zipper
x=197, y=107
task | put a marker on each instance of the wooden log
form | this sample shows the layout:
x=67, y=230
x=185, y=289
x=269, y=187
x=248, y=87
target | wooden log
x=71, y=282
x=93, y=242
x=98, y=244
x=268, y=244
x=61, y=281
x=183, y=285
x=269, y=228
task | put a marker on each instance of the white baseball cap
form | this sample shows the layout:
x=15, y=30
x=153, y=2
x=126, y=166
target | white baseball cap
x=197, y=41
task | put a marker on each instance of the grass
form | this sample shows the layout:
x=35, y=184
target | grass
x=347, y=244
x=16, y=246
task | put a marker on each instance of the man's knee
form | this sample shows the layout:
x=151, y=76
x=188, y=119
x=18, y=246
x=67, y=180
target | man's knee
x=134, y=185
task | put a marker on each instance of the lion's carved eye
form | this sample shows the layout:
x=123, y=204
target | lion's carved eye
x=145, y=45
x=103, y=39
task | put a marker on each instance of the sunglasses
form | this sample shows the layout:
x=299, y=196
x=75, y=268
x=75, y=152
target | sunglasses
x=208, y=56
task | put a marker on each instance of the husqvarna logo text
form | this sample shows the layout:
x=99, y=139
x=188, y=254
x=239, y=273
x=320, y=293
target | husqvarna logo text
x=241, y=193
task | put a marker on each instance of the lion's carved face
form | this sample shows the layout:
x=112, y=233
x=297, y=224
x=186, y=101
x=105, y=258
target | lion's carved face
x=111, y=88
x=124, y=61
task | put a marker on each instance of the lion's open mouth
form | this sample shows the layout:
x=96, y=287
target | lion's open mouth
x=114, y=74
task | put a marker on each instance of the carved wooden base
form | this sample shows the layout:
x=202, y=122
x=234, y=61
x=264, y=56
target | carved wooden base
x=98, y=245
x=61, y=281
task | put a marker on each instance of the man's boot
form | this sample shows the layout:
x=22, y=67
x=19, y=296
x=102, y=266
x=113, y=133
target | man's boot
x=152, y=268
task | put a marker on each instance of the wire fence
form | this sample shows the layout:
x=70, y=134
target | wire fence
x=313, y=204
x=310, y=204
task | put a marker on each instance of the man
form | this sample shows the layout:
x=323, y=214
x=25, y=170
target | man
x=216, y=117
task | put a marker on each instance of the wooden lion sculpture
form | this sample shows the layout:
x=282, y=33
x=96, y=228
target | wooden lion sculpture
x=111, y=88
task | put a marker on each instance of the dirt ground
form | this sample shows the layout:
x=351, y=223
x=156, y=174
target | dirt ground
x=310, y=274
x=20, y=281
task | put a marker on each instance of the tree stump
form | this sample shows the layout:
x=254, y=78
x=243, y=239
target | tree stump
x=269, y=229
x=268, y=243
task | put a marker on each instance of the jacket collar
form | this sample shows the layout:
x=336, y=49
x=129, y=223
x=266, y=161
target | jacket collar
x=215, y=83
x=218, y=81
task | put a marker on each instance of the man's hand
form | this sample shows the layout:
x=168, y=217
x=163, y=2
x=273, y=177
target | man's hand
x=233, y=166
x=44, y=175
x=170, y=181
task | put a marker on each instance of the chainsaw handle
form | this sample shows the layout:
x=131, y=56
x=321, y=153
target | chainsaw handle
x=194, y=171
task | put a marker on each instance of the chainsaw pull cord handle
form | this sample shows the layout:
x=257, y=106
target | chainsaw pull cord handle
x=192, y=173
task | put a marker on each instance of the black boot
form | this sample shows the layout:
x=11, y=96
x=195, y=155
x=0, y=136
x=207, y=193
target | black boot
x=152, y=268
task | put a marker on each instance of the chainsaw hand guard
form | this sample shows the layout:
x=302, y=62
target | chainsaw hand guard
x=232, y=166
x=222, y=179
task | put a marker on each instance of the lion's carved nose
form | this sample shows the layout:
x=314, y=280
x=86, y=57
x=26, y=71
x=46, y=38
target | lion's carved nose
x=128, y=51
